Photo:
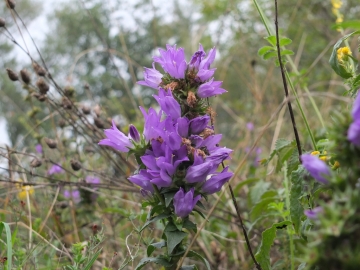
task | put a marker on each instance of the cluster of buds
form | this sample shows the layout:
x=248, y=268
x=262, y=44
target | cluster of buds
x=178, y=152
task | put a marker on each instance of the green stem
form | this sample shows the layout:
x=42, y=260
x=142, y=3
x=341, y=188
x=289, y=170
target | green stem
x=270, y=33
x=161, y=198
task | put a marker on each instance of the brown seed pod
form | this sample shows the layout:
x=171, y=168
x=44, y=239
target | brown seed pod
x=51, y=143
x=11, y=3
x=12, y=75
x=25, y=76
x=39, y=69
x=2, y=22
x=86, y=110
x=62, y=123
x=42, y=85
x=35, y=163
x=66, y=103
x=99, y=123
x=75, y=164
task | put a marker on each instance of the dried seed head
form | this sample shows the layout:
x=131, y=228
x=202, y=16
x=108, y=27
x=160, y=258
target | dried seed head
x=69, y=91
x=86, y=110
x=99, y=123
x=35, y=163
x=97, y=110
x=39, y=69
x=25, y=76
x=42, y=85
x=2, y=22
x=75, y=164
x=86, y=86
x=51, y=143
x=11, y=3
x=12, y=75
x=66, y=103
x=191, y=99
x=62, y=123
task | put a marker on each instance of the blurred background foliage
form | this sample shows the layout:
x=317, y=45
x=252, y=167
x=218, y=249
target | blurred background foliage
x=99, y=48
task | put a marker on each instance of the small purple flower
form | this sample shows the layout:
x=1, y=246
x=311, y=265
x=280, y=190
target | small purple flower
x=184, y=203
x=210, y=88
x=142, y=179
x=75, y=195
x=134, y=133
x=313, y=213
x=198, y=124
x=168, y=104
x=92, y=179
x=216, y=181
x=354, y=129
x=199, y=170
x=172, y=60
x=55, y=169
x=38, y=148
x=250, y=126
x=316, y=167
x=152, y=77
x=116, y=139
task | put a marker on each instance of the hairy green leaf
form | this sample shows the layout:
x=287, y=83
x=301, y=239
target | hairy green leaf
x=157, y=260
x=271, y=40
x=284, y=41
x=198, y=256
x=296, y=192
x=153, y=246
x=173, y=239
x=268, y=237
x=153, y=219
x=265, y=49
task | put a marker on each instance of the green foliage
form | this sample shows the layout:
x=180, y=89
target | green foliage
x=296, y=193
x=9, y=243
x=268, y=237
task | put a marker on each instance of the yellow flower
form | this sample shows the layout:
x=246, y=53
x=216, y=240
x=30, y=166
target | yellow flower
x=23, y=190
x=323, y=158
x=315, y=153
x=336, y=165
x=336, y=4
x=339, y=19
x=343, y=53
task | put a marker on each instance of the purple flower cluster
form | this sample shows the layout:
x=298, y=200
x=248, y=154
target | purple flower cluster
x=354, y=129
x=180, y=151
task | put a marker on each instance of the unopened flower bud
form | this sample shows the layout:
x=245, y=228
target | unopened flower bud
x=42, y=85
x=99, y=123
x=66, y=103
x=12, y=75
x=69, y=91
x=86, y=110
x=11, y=3
x=62, y=123
x=75, y=164
x=51, y=143
x=2, y=22
x=25, y=76
x=134, y=133
x=39, y=69
x=35, y=163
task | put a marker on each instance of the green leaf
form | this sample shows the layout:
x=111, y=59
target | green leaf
x=260, y=207
x=153, y=246
x=244, y=183
x=265, y=49
x=93, y=259
x=279, y=145
x=173, y=239
x=268, y=237
x=269, y=55
x=334, y=63
x=157, y=260
x=284, y=41
x=6, y=226
x=188, y=224
x=198, y=256
x=286, y=52
x=169, y=197
x=257, y=191
x=153, y=219
x=296, y=192
x=271, y=40
x=348, y=24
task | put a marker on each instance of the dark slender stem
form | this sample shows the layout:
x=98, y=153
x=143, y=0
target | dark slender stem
x=258, y=266
x=285, y=84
